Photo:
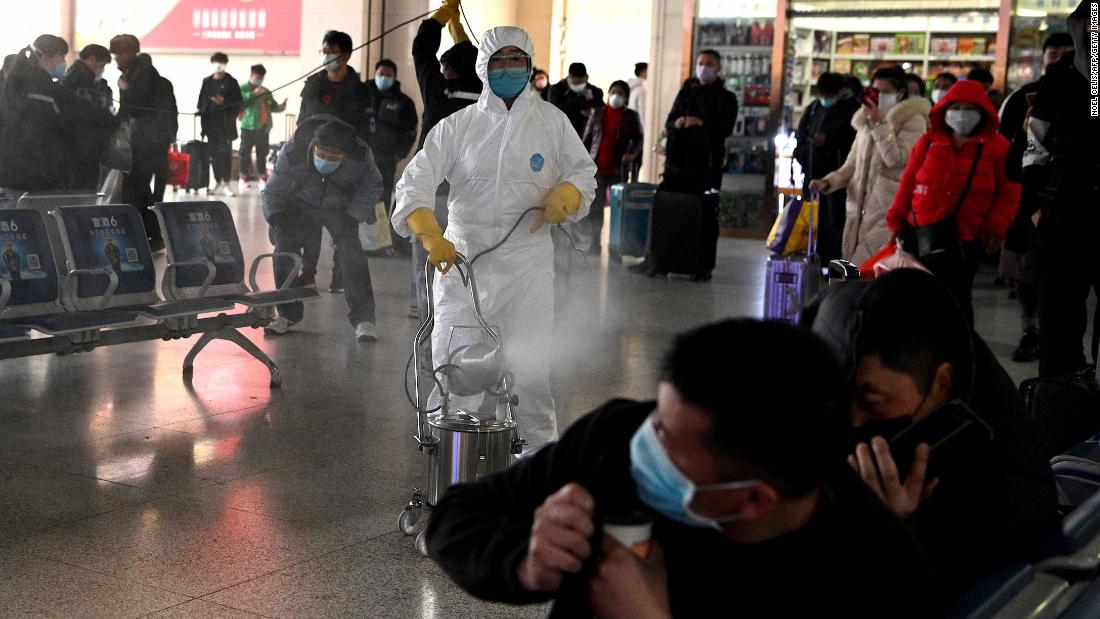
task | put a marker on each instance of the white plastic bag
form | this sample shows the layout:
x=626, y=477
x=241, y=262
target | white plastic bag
x=376, y=236
x=900, y=259
x=120, y=152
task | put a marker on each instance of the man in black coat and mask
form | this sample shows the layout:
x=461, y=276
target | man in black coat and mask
x=909, y=351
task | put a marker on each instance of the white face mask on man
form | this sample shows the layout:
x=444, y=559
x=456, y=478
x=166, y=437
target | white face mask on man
x=218, y=67
x=578, y=88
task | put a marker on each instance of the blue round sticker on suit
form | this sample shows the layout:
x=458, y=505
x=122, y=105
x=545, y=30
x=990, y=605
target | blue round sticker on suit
x=537, y=162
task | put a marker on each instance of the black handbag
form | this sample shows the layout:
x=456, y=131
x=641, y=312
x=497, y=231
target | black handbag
x=941, y=237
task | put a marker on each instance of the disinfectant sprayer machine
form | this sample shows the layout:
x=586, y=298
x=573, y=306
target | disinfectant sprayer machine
x=462, y=444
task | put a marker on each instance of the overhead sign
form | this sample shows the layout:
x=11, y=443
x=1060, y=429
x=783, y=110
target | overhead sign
x=263, y=26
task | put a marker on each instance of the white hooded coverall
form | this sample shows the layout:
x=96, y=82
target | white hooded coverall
x=499, y=163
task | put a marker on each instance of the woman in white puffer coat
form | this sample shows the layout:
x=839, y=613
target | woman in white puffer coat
x=884, y=137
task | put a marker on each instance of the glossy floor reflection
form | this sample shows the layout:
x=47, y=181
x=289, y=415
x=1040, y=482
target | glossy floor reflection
x=126, y=491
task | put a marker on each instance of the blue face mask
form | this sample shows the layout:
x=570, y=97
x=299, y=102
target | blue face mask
x=827, y=103
x=383, y=82
x=58, y=70
x=664, y=488
x=99, y=74
x=508, y=82
x=324, y=166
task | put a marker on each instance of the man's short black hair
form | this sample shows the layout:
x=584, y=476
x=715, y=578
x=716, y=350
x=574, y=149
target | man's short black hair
x=979, y=74
x=50, y=45
x=335, y=135
x=335, y=38
x=829, y=83
x=947, y=75
x=639, y=67
x=577, y=69
x=386, y=62
x=775, y=396
x=895, y=75
x=913, y=78
x=712, y=53
x=1058, y=39
x=95, y=52
x=259, y=69
x=219, y=57
x=912, y=323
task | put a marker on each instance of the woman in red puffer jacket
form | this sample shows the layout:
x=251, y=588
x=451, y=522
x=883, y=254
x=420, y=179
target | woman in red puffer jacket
x=963, y=127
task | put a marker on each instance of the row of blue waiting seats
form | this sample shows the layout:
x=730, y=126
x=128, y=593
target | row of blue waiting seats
x=1066, y=582
x=75, y=275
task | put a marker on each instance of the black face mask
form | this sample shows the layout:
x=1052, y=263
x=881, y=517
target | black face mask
x=886, y=428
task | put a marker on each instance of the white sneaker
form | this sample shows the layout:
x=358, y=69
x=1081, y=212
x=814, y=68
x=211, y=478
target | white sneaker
x=226, y=191
x=218, y=188
x=279, y=326
x=364, y=332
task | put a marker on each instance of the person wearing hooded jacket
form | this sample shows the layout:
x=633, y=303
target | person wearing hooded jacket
x=988, y=504
x=43, y=119
x=325, y=178
x=1062, y=163
x=84, y=79
x=509, y=154
x=963, y=137
x=335, y=90
x=873, y=168
x=447, y=84
x=38, y=125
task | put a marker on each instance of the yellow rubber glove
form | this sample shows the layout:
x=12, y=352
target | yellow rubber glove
x=559, y=204
x=446, y=13
x=458, y=34
x=440, y=251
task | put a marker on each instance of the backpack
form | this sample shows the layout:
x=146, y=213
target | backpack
x=164, y=100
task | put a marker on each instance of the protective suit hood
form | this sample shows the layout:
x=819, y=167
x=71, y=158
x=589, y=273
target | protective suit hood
x=491, y=42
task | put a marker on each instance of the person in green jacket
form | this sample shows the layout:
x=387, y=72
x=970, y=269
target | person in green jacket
x=259, y=104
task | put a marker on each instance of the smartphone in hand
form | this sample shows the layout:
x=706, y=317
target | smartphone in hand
x=950, y=431
x=870, y=97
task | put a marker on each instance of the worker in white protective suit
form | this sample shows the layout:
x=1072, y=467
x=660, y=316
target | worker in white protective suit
x=508, y=153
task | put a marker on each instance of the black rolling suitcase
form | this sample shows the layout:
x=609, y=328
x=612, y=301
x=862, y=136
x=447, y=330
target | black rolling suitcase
x=684, y=238
x=199, y=177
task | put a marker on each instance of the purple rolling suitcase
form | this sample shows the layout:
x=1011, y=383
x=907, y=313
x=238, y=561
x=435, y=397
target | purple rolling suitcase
x=791, y=281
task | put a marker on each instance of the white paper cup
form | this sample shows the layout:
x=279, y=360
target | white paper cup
x=636, y=537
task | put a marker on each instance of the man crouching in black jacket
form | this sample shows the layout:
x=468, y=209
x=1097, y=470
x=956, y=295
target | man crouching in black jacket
x=739, y=466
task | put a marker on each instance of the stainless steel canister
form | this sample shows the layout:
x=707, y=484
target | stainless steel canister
x=464, y=448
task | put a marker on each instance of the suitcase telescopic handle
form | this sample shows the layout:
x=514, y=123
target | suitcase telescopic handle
x=811, y=242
